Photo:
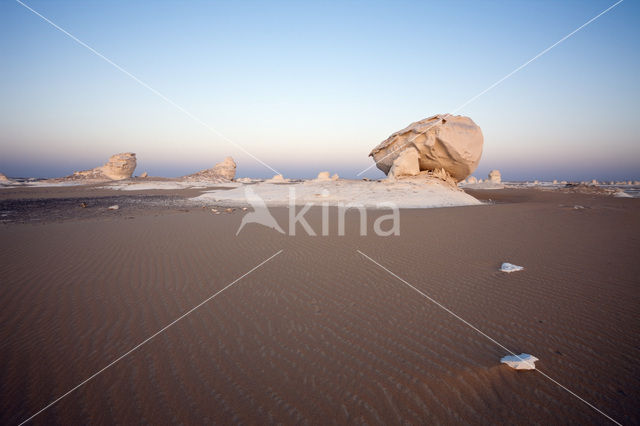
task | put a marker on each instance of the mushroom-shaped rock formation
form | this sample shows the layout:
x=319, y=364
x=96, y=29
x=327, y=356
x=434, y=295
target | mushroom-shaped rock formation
x=223, y=171
x=449, y=142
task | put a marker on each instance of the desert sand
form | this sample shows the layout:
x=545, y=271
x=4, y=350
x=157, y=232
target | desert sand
x=319, y=332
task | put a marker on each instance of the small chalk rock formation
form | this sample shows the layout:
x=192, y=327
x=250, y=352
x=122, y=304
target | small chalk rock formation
x=144, y=175
x=323, y=176
x=493, y=181
x=4, y=179
x=452, y=143
x=277, y=179
x=494, y=176
x=119, y=167
x=224, y=171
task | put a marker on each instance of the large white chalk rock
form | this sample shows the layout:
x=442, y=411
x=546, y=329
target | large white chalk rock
x=495, y=176
x=4, y=179
x=223, y=171
x=449, y=142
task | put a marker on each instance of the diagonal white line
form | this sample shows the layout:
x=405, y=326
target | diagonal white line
x=488, y=337
x=473, y=98
x=145, y=85
x=148, y=339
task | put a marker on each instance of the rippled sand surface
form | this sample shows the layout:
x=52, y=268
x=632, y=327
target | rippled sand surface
x=320, y=334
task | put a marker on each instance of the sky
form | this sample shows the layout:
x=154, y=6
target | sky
x=312, y=86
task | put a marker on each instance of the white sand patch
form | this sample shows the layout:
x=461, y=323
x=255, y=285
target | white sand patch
x=404, y=194
x=168, y=185
x=482, y=185
x=50, y=184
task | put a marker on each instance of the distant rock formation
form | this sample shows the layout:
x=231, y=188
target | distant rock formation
x=495, y=176
x=277, y=179
x=4, y=179
x=322, y=176
x=223, y=171
x=451, y=143
x=493, y=181
x=588, y=188
x=119, y=167
x=144, y=175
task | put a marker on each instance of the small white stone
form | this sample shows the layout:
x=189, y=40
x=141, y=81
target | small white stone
x=510, y=267
x=520, y=362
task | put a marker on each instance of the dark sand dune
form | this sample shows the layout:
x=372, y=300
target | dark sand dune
x=320, y=334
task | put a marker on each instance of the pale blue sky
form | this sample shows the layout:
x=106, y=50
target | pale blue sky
x=310, y=86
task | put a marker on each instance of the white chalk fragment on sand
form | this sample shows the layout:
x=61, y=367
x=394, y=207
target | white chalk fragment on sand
x=115, y=207
x=520, y=362
x=510, y=267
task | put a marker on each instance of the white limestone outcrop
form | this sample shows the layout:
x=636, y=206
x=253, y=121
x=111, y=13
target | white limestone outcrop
x=448, y=142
